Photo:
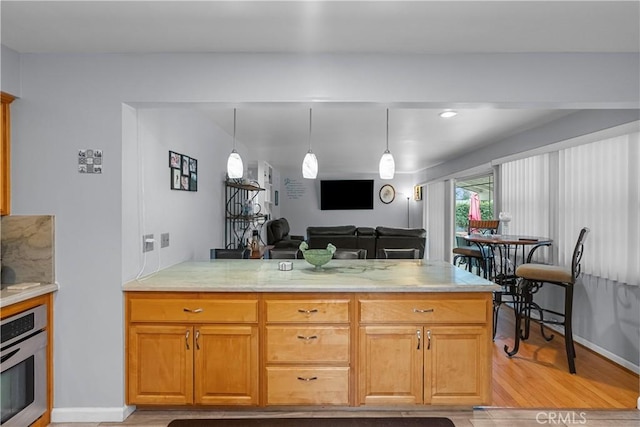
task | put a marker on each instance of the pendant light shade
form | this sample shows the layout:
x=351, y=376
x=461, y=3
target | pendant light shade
x=235, y=168
x=310, y=162
x=387, y=164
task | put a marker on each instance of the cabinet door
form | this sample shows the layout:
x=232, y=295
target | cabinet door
x=457, y=360
x=226, y=360
x=160, y=365
x=390, y=365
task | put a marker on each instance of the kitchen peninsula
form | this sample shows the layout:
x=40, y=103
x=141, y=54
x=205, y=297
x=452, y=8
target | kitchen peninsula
x=356, y=332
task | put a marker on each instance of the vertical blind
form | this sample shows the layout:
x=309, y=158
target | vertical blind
x=525, y=195
x=598, y=188
x=595, y=185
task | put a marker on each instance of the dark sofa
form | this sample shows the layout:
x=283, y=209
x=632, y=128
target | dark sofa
x=352, y=237
x=401, y=238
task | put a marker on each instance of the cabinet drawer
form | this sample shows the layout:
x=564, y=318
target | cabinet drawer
x=307, y=386
x=193, y=310
x=425, y=310
x=327, y=344
x=308, y=311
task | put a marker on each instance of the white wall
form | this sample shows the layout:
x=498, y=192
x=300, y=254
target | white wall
x=10, y=71
x=69, y=102
x=192, y=219
x=301, y=203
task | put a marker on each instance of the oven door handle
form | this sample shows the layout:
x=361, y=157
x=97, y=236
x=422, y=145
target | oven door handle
x=9, y=355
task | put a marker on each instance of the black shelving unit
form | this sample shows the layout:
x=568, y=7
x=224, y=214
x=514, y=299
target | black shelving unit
x=240, y=218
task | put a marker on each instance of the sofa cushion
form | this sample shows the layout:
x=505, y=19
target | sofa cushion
x=335, y=230
x=366, y=231
x=401, y=232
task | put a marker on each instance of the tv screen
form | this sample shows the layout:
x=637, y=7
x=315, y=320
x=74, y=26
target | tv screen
x=346, y=194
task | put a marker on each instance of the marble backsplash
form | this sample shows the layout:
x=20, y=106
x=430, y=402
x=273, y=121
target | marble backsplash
x=27, y=249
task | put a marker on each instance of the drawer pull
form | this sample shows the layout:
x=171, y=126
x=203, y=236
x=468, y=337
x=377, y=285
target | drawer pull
x=313, y=310
x=312, y=337
x=429, y=339
x=186, y=339
x=418, y=334
x=197, y=310
x=197, y=339
x=307, y=379
x=423, y=310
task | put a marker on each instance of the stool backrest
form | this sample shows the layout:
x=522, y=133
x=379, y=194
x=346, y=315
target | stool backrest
x=350, y=254
x=577, y=254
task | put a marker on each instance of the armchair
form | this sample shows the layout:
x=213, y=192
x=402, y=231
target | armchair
x=278, y=235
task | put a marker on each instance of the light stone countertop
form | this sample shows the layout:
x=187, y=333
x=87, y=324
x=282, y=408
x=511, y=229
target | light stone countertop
x=337, y=276
x=9, y=297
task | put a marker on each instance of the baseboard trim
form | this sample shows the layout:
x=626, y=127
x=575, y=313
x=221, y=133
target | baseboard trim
x=91, y=415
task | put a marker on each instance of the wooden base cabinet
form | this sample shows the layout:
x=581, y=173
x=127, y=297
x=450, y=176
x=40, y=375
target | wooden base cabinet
x=308, y=350
x=344, y=349
x=171, y=363
x=424, y=363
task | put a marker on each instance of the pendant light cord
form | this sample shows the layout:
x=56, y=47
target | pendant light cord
x=234, y=129
x=310, y=129
x=387, y=131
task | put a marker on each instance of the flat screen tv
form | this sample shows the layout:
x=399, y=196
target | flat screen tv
x=346, y=194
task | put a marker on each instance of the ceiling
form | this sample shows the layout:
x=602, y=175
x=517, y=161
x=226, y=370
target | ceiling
x=343, y=137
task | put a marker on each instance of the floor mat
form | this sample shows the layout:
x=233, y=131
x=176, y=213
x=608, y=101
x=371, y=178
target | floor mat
x=315, y=422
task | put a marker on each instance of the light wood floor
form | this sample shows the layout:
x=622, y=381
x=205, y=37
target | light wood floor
x=601, y=394
x=538, y=376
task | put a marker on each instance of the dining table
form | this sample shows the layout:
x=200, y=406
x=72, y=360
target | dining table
x=501, y=268
x=501, y=254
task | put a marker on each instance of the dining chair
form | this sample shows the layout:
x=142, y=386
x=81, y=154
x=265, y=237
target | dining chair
x=285, y=254
x=388, y=253
x=350, y=254
x=532, y=276
x=466, y=254
x=472, y=255
x=223, y=253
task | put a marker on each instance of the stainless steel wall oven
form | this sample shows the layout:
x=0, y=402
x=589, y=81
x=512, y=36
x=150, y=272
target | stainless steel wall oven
x=23, y=367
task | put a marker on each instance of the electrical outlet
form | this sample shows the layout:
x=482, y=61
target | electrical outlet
x=147, y=242
x=164, y=240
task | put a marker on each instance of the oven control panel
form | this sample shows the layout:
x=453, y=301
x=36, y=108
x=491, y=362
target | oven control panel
x=21, y=325
x=17, y=327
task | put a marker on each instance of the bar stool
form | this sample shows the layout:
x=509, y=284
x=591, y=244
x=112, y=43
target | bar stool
x=531, y=278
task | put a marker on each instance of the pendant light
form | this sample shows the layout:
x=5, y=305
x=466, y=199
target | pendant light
x=310, y=162
x=235, y=168
x=387, y=164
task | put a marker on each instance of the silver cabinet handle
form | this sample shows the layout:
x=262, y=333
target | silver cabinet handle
x=313, y=310
x=423, y=310
x=186, y=339
x=428, y=339
x=197, y=340
x=307, y=379
x=312, y=337
x=197, y=310
x=418, y=334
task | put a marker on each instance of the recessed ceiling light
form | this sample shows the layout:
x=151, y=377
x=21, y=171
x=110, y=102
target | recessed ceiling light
x=447, y=114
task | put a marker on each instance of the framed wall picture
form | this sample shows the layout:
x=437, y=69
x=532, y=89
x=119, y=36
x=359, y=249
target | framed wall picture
x=417, y=192
x=183, y=171
x=185, y=165
x=175, y=179
x=174, y=160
